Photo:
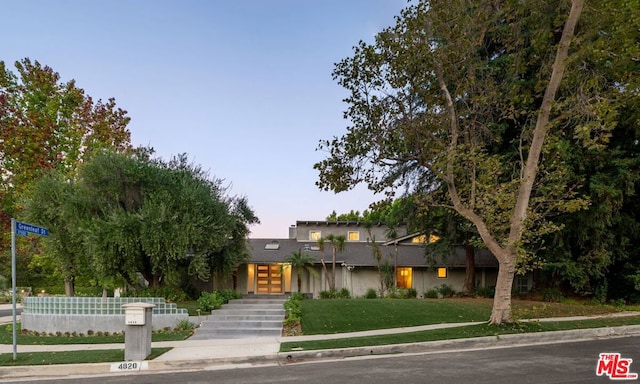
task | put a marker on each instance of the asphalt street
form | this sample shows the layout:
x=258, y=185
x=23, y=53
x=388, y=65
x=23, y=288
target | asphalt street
x=564, y=362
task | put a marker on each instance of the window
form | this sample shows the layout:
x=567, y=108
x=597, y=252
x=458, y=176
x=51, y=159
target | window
x=273, y=245
x=404, y=277
x=315, y=235
x=353, y=236
x=521, y=284
x=419, y=239
x=442, y=273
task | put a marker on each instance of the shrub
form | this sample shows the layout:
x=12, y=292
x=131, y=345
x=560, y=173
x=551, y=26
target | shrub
x=230, y=294
x=431, y=294
x=411, y=293
x=209, y=301
x=553, y=295
x=489, y=292
x=371, y=294
x=341, y=294
x=184, y=325
x=292, y=310
x=446, y=290
x=297, y=296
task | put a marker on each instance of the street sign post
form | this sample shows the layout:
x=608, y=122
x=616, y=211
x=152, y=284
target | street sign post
x=19, y=229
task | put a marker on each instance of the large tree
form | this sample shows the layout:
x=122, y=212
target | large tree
x=469, y=97
x=48, y=124
x=127, y=214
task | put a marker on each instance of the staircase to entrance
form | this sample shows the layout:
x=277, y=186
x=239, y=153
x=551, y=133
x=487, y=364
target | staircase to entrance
x=251, y=316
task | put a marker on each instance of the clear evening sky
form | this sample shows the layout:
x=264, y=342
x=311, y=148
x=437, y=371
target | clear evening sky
x=243, y=87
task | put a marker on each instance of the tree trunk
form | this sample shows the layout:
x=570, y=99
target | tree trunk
x=70, y=286
x=501, y=312
x=470, y=270
x=333, y=272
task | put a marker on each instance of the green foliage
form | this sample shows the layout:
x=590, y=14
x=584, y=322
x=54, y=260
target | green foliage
x=371, y=294
x=171, y=294
x=229, y=294
x=130, y=214
x=209, y=301
x=301, y=262
x=293, y=310
x=553, y=295
x=488, y=292
x=431, y=294
x=446, y=290
x=488, y=136
x=184, y=325
x=341, y=294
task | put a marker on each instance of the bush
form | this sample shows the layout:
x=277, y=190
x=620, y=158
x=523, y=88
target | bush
x=371, y=294
x=431, y=294
x=411, y=293
x=184, y=325
x=488, y=292
x=230, y=294
x=209, y=301
x=292, y=310
x=171, y=294
x=553, y=295
x=446, y=290
x=341, y=294
x=297, y=296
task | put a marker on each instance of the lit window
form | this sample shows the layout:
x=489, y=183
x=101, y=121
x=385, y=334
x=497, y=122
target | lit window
x=404, y=277
x=419, y=239
x=354, y=236
x=433, y=238
x=315, y=235
x=442, y=273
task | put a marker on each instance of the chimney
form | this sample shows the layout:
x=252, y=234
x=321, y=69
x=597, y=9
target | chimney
x=293, y=232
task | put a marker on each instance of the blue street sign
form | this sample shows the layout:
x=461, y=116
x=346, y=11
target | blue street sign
x=24, y=229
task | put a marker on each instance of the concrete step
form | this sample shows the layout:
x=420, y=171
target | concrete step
x=234, y=305
x=240, y=317
x=260, y=316
x=237, y=334
x=230, y=324
x=247, y=312
x=257, y=301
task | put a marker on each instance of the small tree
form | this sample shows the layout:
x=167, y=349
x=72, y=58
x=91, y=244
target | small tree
x=301, y=262
x=337, y=245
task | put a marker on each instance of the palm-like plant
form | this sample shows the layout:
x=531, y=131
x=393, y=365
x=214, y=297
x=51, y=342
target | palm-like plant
x=300, y=262
x=337, y=245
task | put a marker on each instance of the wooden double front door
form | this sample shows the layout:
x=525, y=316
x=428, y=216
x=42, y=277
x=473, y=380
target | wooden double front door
x=268, y=279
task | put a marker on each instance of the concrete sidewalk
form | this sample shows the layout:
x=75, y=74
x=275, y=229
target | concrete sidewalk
x=211, y=354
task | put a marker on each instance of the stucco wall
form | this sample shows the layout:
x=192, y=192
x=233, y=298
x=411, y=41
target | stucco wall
x=48, y=323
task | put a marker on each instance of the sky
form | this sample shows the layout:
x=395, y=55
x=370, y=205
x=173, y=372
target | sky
x=244, y=87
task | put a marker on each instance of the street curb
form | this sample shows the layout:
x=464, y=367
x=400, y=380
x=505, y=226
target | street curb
x=466, y=343
x=282, y=358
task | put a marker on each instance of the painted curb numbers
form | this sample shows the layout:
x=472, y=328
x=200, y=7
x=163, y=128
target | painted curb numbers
x=129, y=366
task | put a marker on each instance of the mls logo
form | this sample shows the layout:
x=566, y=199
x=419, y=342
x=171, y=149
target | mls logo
x=614, y=366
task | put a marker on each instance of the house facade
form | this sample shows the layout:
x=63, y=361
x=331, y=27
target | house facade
x=356, y=267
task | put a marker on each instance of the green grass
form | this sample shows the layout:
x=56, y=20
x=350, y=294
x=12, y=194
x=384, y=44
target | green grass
x=71, y=357
x=459, y=333
x=338, y=316
x=6, y=337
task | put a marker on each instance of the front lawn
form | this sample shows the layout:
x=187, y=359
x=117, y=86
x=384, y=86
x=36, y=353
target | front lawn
x=352, y=315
